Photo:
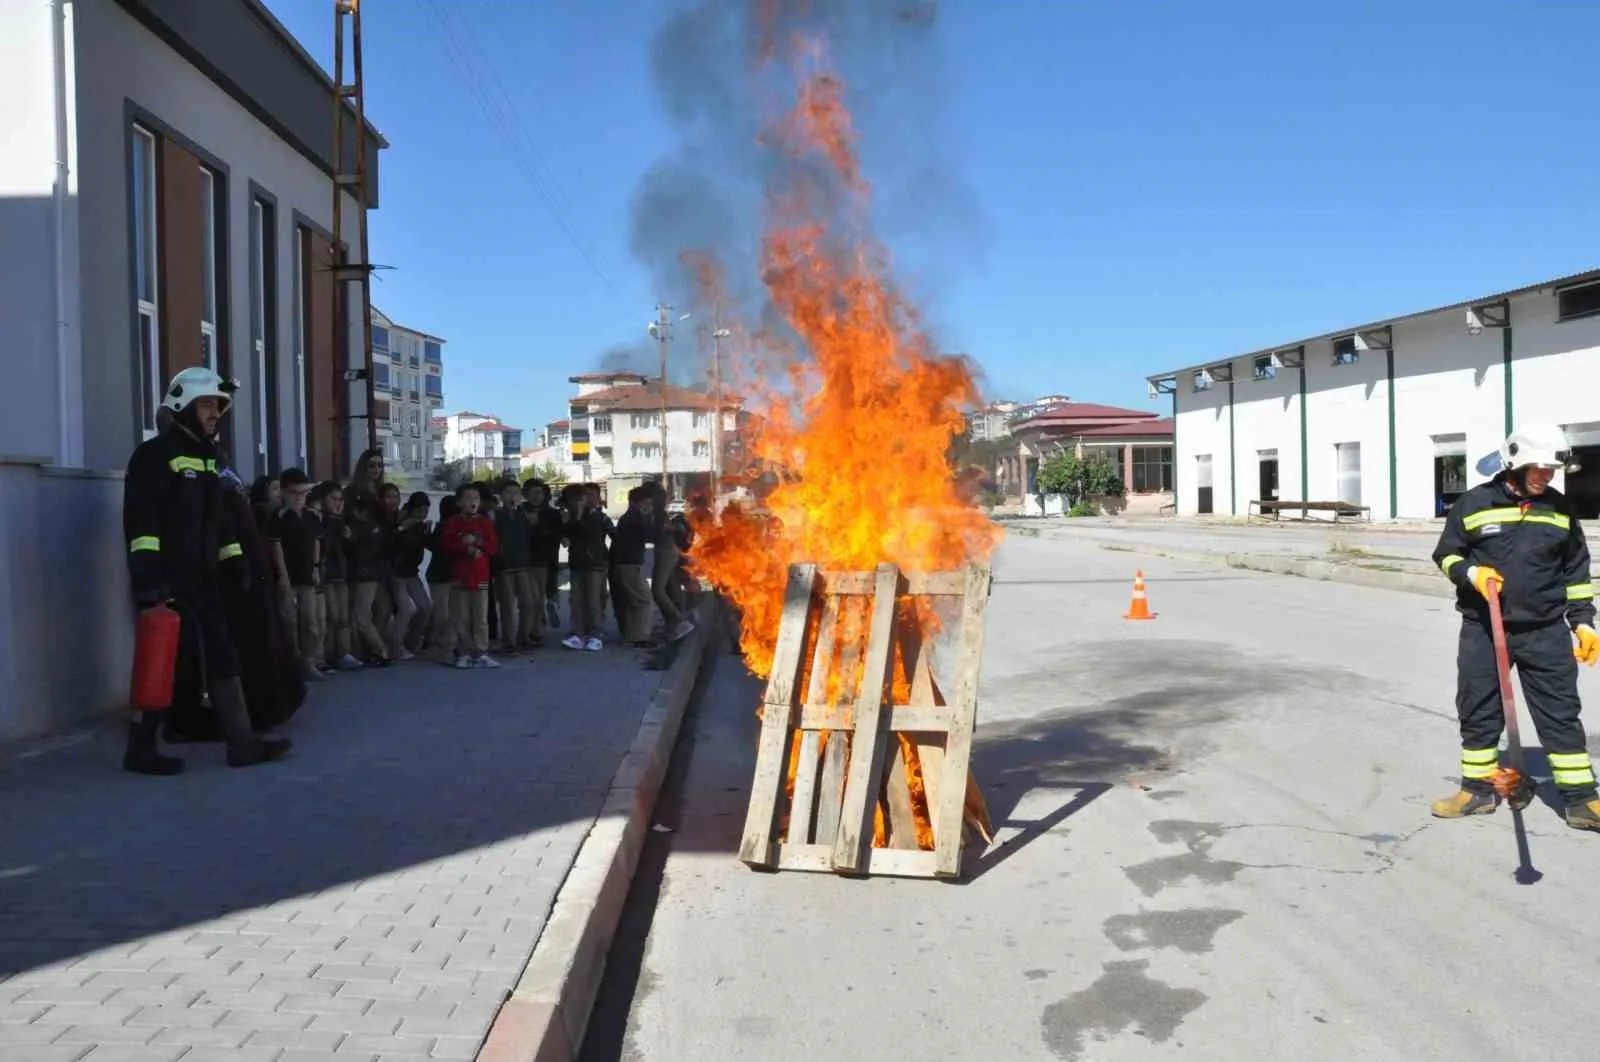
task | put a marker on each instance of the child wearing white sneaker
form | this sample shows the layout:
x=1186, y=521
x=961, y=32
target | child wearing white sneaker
x=469, y=540
x=587, y=561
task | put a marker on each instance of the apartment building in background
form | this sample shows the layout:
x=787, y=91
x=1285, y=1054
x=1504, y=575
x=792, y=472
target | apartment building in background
x=408, y=388
x=480, y=445
x=551, y=449
x=166, y=194
x=616, y=438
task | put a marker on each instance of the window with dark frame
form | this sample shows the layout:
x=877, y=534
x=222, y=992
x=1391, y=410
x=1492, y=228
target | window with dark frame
x=210, y=266
x=145, y=282
x=263, y=329
x=1202, y=380
x=302, y=282
x=1582, y=300
x=1344, y=351
x=1264, y=369
x=1152, y=469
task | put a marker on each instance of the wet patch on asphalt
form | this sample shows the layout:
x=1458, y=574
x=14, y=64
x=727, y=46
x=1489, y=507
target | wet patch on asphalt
x=1124, y=997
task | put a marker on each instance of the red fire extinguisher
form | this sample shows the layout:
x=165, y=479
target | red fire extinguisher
x=155, y=659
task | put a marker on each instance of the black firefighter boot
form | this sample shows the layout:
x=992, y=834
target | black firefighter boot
x=245, y=748
x=143, y=755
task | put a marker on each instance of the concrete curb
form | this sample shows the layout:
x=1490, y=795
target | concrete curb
x=1427, y=585
x=544, y=1018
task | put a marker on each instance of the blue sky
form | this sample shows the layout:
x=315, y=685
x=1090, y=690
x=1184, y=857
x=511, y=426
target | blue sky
x=1079, y=193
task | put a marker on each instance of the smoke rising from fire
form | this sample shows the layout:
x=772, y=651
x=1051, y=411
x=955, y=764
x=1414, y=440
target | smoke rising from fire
x=709, y=194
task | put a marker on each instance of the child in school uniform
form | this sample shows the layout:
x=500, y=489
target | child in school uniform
x=470, y=542
x=587, y=560
x=442, y=635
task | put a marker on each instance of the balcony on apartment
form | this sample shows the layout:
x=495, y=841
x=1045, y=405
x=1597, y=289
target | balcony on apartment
x=433, y=386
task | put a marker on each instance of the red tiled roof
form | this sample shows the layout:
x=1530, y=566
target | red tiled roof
x=491, y=425
x=1072, y=411
x=560, y=424
x=648, y=397
x=1130, y=429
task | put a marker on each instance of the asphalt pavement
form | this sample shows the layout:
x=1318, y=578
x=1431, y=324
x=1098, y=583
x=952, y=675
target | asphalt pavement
x=1214, y=844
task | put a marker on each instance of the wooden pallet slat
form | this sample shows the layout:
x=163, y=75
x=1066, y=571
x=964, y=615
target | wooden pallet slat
x=867, y=741
x=842, y=731
x=772, y=753
x=949, y=813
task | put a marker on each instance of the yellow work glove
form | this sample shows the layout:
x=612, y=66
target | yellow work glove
x=1588, y=647
x=1482, y=575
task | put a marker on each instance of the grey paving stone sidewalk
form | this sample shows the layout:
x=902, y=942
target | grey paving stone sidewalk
x=373, y=896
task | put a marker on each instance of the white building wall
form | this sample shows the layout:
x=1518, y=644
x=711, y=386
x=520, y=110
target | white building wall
x=28, y=340
x=1447, y=384
x=683, y=433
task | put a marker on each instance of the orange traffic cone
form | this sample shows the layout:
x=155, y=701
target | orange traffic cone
x=1140, y=608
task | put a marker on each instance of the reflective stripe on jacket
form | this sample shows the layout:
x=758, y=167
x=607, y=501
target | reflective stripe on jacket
x=1535, y=543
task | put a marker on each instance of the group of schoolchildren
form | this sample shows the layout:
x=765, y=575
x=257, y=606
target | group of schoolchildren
x=366, y=580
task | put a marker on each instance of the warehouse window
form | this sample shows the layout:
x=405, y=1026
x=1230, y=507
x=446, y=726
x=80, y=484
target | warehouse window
x=1344, y=351
x=1581, y=301
x=1202, y=380
x=1264, y=369
x=1152, y=469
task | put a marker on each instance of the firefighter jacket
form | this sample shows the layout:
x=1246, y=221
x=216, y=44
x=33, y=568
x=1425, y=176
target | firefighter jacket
x=1534, y=542
x=182, y=532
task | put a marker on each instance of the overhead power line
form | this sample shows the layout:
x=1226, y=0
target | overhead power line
x=501, y=112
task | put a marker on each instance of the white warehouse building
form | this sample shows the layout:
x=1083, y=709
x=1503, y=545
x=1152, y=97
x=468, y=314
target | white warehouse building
x=1395, y=415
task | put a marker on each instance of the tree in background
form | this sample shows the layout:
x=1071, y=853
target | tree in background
x=1080, y=478
x=552, y=475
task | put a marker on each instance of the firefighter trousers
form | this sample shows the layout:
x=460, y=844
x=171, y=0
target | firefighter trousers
x=1542, y=658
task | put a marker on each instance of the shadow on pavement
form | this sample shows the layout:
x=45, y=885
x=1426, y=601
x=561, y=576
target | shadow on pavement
x=1078, y=726
x=391, y=770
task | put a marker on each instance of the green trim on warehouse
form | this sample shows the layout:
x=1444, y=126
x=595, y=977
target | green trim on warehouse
x=1233, y=463
x=1305, y=436
x=1175, y=510
x=1505, y=358
x=1394, y=457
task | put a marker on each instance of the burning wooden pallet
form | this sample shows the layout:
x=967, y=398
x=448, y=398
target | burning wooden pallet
x=864, y=768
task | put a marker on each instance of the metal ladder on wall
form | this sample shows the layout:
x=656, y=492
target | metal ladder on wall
x=350, y=107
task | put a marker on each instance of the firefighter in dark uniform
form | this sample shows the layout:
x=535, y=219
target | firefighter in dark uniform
x=182, y=544
x=1516, y=536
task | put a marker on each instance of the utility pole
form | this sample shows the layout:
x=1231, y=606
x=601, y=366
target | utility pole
x=663, y=323
x=661, y=329
x=717, y=336
x=345, y=272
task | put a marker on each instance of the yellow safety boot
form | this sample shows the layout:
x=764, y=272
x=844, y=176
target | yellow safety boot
x=1585, y=816
x=1464, y=802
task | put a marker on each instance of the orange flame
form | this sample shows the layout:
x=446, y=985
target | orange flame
x=859, y=427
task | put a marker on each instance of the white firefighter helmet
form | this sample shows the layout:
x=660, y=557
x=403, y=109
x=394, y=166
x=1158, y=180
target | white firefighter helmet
x=1536, y=445
x=198, y=382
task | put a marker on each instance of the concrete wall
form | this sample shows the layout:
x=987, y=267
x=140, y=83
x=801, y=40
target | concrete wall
x=1447, y=383
x=66, y=623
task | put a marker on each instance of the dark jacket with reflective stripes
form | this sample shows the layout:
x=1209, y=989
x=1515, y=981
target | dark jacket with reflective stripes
x=180, y=530
x=1535, y=543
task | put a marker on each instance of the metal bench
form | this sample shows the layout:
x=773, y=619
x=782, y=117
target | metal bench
x=1275, y=509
